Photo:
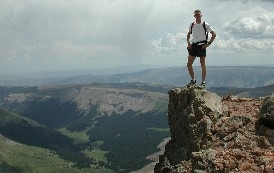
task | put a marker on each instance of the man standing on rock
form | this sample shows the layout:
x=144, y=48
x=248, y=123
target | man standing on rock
x=197, y=47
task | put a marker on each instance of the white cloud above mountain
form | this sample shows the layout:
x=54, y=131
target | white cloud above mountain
x=256, y=23
x=67, y=34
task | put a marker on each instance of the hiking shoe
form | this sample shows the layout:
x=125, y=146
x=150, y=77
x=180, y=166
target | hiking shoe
x=202, y=85
x=191, y=83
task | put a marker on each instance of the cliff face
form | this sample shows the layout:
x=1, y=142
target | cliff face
x=214, y=134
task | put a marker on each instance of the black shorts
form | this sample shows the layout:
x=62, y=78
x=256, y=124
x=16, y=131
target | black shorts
x=197, y=51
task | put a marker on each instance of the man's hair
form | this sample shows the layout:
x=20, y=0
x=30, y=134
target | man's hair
x=197, y=11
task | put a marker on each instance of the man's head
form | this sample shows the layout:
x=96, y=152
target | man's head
x=197, y=14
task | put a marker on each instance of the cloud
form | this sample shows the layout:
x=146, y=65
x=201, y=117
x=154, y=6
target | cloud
x=246, y=1
x=256, y=23
x=86, y=23
x=268, y=0
x=245, y=46
x=169, y=44
x=96, y=33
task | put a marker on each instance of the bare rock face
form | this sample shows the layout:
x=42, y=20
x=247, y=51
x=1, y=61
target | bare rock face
x=267, y=111
x=213, y=134
x=266, y=120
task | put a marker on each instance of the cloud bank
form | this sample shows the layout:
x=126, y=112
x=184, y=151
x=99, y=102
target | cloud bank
x=67, y=34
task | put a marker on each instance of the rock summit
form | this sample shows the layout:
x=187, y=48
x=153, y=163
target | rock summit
x=218, y=134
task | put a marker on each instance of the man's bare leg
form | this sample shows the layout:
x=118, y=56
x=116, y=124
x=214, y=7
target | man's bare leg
x=189, y=66
x=203, y=65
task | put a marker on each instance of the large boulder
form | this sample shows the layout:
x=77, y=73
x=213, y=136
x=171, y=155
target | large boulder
x=265, y=125
x=267, y=111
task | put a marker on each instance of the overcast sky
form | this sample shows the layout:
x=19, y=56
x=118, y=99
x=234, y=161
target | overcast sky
x=50, y=35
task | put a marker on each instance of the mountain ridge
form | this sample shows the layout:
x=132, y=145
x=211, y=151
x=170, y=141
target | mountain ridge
x=26, y=131
x=218, y=76
x=127, y=113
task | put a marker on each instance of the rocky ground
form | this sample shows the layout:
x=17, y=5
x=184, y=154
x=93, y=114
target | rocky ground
x=244, y=155
x=204, y=138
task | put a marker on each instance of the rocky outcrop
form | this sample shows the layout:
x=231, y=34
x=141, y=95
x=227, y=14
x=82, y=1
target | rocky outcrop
x=265, y=125
x=267, y=111
x=213, y=134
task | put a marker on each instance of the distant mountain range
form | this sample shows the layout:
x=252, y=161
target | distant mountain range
x=217, y=76
x=244, y=92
